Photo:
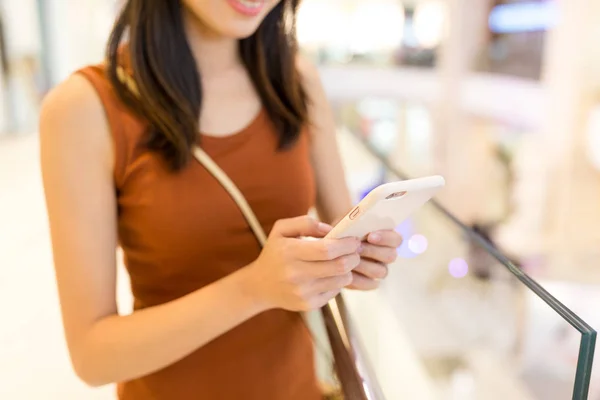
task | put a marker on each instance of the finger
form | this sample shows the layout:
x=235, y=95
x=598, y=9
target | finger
x=339, y=266
x=361, y=282
x=371, y=269
x=324, y=298
x=300, y=226
x=329, y=284
x=388, y=238
x=385, y=255
x=325, y=249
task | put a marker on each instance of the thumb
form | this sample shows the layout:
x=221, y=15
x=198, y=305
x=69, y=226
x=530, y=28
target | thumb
x=300, y=226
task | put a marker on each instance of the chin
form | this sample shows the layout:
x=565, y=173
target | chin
x=238, y=30
x=237, y=19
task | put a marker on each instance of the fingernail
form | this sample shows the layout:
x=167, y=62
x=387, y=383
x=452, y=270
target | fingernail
x=323, y=227
x=360, y=248
x=374, y=237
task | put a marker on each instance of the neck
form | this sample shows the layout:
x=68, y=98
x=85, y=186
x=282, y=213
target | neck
x=214, y=53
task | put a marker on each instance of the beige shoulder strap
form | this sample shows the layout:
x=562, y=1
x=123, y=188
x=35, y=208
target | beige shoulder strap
x=216, y=172
x=233, y=191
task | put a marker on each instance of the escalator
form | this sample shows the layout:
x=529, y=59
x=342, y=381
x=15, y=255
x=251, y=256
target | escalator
x=455, y=319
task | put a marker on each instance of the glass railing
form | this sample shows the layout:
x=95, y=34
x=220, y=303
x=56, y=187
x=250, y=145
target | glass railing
x=455, y=319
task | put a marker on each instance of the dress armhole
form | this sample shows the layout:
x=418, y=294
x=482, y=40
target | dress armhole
x=113, y=110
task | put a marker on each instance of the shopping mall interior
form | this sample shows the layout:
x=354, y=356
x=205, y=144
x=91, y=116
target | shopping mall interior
x=495, y=290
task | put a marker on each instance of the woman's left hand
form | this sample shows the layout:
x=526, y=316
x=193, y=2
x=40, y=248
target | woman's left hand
x=378, y=251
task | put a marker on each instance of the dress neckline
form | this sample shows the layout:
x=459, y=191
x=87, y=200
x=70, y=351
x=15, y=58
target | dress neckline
x=240, y=134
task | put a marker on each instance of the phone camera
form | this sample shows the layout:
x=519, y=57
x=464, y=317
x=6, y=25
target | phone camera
x=396, y=195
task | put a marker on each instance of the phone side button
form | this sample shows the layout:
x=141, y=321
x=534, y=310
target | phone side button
x=354, y=213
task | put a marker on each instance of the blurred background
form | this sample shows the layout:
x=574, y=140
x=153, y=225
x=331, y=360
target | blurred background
x=502, y=97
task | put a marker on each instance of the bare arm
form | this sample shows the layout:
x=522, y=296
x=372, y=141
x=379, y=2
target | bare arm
x=333, y=196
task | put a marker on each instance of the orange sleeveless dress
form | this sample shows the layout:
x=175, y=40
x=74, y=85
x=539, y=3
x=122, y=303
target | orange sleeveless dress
x=181, y=231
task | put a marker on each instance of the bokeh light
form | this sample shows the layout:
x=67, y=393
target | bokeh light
x=418, y=244
x=361, y=28
x=529, y=16
x=407, y=230
x=458, y=268
x=378, y=26
x=317, y=24
x=430, y=23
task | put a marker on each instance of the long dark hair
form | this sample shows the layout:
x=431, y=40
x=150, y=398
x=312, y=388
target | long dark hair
x=168, y=82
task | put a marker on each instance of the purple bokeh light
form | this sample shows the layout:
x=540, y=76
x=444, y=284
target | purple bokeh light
x=406, y=229
x=458, y=268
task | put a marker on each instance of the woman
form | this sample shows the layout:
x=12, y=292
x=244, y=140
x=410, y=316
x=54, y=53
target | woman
x=215, y=316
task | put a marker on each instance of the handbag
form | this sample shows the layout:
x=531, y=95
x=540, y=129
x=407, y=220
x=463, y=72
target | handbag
x=330, y=392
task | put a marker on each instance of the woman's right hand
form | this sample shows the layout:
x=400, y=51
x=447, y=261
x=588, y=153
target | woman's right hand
x=299, y=274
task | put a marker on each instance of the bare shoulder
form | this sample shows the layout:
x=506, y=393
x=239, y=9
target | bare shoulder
x=72, y=119
x=308, y=73
x=319, y=109
x=306, y=68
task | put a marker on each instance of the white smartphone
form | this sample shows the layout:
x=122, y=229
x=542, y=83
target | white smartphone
x=386, y=207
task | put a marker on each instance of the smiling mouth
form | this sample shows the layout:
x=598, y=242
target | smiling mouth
x=248, y=8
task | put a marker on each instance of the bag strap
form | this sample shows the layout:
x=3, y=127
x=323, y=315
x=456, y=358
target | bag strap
x=205, y=160
x=233, y=191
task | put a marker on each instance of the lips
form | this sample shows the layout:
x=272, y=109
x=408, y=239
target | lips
x=250, y=8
